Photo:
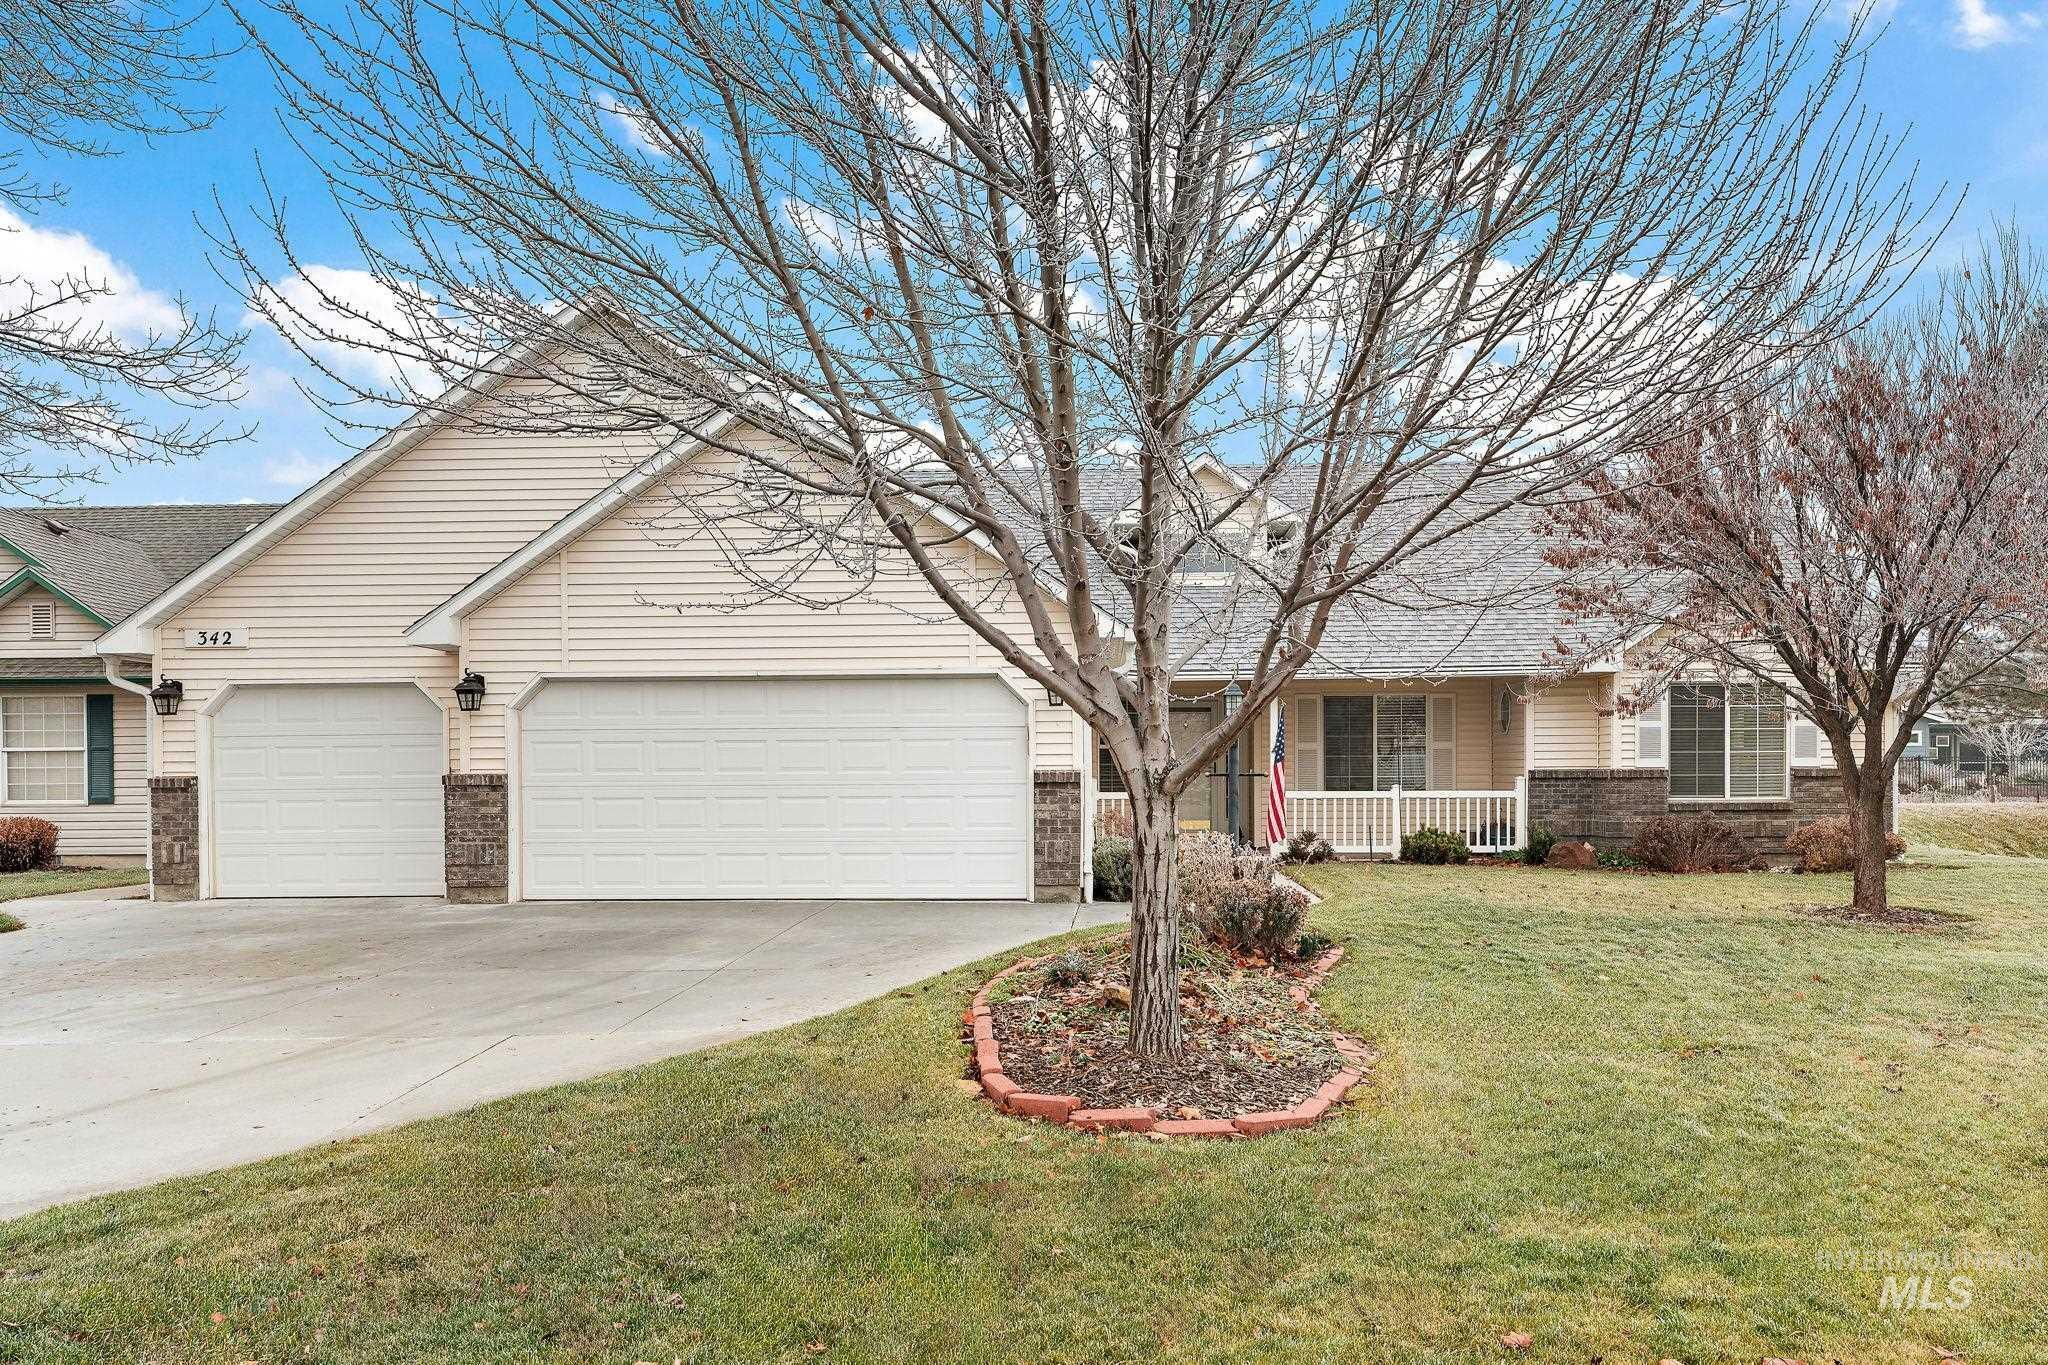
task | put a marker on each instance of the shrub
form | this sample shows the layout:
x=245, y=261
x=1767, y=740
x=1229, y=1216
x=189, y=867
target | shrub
x=1112, y=865
x=1434, y=846
x=1265, y=920
x=1829, y=845
x=1113, y=820
x=1312, y=944
x=1068, y=969
x=1619, y=861
x=1306, y=846
x=1541, y=841
x=1213, y=868
x=27, y=843
x=1688, y=843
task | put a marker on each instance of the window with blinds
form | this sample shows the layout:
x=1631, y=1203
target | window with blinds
x=1727, y=741
x=1401, y=743
x=1347, y=744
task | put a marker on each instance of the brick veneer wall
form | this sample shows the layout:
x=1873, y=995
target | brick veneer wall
x=1056, y=834
x=174, y=838
x=477, y=837
x=1606, y=806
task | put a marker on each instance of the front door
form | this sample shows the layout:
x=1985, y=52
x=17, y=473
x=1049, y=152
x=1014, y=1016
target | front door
x=1200, y=804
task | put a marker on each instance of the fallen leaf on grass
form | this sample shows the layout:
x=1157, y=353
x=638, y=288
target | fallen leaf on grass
x=1517, y=1341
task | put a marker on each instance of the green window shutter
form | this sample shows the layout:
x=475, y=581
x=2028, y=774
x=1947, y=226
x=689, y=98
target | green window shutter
x=99, y=750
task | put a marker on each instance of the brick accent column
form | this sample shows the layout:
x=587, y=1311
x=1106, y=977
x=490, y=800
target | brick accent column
x=174, y=838
x=477, y=835
x=1056, y=834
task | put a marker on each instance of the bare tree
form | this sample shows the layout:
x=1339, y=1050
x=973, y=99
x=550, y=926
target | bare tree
x=1871, y=536
x=2012, y=736
x=1418, y=263
x=80, y=77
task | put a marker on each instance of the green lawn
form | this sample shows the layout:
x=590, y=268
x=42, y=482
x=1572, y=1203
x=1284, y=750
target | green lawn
x=2016, y=828
x=1627, y=1114
x=16, y=886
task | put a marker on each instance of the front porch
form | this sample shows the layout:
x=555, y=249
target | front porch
x=1368, y=761
x=1372, y=823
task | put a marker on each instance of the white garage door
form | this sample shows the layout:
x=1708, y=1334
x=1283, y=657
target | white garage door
x=776, y=789
x=328, y=791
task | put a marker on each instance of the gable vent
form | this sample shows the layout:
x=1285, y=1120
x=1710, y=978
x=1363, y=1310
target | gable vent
x=42, y=620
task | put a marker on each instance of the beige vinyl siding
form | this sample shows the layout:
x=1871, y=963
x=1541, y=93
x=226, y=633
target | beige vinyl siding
x=332, y=600
x=1568, y=724
x=1509, y=746
x=73, y=631
x=603, y=607
x=119, y=829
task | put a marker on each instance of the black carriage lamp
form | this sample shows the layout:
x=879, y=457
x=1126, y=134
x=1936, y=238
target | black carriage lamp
x=166, y=695
x=469, y=693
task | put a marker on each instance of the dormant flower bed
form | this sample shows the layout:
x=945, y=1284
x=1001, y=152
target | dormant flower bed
x=1347, y=1059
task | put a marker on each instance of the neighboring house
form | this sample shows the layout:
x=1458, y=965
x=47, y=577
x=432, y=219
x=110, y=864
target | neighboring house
x=72, y=726
x=621, y=748
x=1939, y=742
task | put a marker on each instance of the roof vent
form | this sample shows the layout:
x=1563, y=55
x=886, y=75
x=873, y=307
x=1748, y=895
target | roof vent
x=55, y=527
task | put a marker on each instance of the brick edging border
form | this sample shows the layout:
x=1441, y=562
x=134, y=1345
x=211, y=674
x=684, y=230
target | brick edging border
x=1011, y=1098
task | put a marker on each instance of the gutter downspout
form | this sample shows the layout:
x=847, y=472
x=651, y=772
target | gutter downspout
x=148, y=745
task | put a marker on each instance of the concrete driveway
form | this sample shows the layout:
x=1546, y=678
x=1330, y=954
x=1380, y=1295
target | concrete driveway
x=140, y=1041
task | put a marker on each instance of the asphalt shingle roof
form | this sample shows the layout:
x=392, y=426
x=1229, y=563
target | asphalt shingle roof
x=1482, y=603
x=115, y=559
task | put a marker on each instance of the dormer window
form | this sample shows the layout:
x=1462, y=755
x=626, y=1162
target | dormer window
x=42, y=620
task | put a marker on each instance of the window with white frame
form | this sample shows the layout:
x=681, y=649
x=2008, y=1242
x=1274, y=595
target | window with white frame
x=1401, y=743
x=1727, y=741
x=43, y=738
x=1376, y=743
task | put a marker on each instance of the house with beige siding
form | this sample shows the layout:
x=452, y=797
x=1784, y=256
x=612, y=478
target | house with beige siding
x=492, y=668
x=74, y=731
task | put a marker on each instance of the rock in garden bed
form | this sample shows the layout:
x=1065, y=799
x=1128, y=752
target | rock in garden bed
x=1056, y=1029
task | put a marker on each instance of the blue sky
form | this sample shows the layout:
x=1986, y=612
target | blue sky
x=1969, y=76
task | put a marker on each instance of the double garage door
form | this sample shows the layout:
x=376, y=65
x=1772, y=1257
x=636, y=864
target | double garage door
x=776, y=789
x=648, y=789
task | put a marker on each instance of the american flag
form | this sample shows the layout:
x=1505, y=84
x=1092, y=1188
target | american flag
x=1276, y=786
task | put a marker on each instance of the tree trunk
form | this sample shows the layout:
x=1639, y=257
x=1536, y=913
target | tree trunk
x=1155, y=926
x=1869, y=822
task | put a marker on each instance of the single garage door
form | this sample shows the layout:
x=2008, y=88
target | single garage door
x=776, y=789
x=328, y=791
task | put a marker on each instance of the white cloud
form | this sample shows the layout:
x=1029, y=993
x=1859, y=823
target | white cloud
x=1977, y=25
x=295, y=470
x=636, y=127
x=35, y=259
x=341, y=316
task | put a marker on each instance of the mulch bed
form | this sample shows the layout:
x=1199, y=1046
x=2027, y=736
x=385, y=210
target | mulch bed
x=1256, y=1046
x=1904, y=919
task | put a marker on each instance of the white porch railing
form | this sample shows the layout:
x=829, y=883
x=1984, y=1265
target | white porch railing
x=1373, y=822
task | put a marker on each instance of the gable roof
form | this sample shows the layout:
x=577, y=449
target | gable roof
x=108, y=561
x=438, y=629
x=132, y=635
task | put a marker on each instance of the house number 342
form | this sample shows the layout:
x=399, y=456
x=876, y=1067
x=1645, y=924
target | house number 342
x=216, y=637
